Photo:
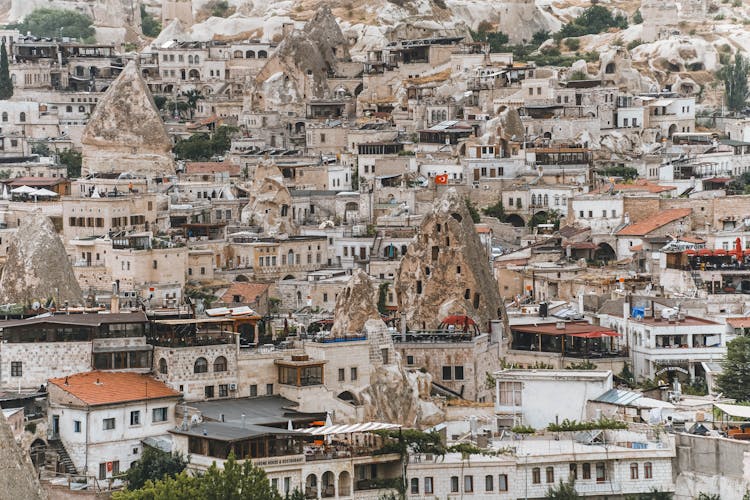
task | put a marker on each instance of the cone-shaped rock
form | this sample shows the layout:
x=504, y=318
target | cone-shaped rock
x=37, y=268
x=355, y=305
x=18, y=479
x=269, y=202
x=125, y=132
x=446, y=270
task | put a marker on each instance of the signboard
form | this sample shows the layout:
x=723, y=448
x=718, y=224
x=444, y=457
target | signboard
x=673, y=369
x=283, y=460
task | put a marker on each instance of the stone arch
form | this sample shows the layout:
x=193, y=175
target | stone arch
x=672, y=130
x=515, y=220
x=604, y=251
x=220, y=364
x=241, y=278
x=237, y=54
x=200, y=366
x=38, y=451
x=163, y=369
x=311, y=486
x=351, y=206
x=328, y=485
x=290, y=257
x=610, y=68
x=288, y=277
x=390, y=252
x=348, y=397
x=262, y=54
x=345, y=484
x=194, y=73
x=249, y=54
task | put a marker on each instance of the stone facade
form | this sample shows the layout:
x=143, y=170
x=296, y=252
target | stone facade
x=180, y=368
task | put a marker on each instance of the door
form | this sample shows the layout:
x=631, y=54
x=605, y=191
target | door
x=55, y=426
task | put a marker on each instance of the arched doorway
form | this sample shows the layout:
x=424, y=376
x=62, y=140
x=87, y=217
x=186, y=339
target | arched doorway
x=194, y=74
x=515, y=220
x=390, y=252
x=672, y=130
x=345, y=484
x=610, y=69
x=604, y=252
x=327, y=485
x=38, y=450
x=241, y=278
x=311, y=486
x=348, y=397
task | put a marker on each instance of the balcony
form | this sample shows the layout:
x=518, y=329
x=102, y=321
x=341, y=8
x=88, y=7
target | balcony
x=598, y=488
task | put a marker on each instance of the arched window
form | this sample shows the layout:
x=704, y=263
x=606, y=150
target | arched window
x=533, y=199
x=634, y=470
x=238, y=54
x=163, y=366
x=190, y=59
x=250, y=54
x=201, y=366
x=22, y=117
x=197, y=59
x=220, y=364
x=648, y=471
x=546, y=200
x=262, y=54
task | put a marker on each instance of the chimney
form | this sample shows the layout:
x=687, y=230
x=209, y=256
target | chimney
x=114, y=306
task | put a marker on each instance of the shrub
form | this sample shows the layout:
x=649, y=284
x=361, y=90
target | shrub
x=573, y=44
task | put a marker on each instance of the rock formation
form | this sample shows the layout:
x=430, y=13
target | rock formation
x=37, y=268
x=394, y=394
x=125, y=132
x=269, y=202
x=446, y=270
x=355, y=305
x=18, y=479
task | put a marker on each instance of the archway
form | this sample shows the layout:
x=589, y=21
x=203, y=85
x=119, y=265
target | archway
x=311, y=486
x=288, y=277
x=345, y=484
x=327, y=485
x=348, y=397
x=390, y=252
x=250, y=54
x=194, y=73
x=241, y=278
x=515, y=220
x=605, y=252
x=38, y=451
x=610, y=68
x=672, y=130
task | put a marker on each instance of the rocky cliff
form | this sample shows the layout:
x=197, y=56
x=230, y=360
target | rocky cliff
x=125, y=132
x=355, y=305
x=38, y=268
x=269, y=202
x=18, y=479
x=446, y=270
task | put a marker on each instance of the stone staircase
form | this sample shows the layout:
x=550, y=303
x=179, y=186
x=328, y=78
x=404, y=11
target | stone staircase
x=63, y=459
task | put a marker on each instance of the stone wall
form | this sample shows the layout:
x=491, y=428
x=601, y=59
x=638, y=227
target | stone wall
x=42, y=361
x=715, y=466
x=180, y=369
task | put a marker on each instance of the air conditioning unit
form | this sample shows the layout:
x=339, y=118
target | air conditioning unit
x=232, y=387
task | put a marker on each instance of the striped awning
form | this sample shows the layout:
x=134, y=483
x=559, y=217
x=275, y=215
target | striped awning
x=347, y=429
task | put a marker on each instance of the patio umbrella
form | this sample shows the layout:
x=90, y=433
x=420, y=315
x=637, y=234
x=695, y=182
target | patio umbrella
x=22, y=190
x=95, y=194
x=720, y=252
x=738, y=248
x=691, y=252
x=44, y=192
x=5, y=192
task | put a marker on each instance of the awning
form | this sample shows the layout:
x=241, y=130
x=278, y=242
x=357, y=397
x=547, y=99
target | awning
x=734, y=410
x=347, y=429
x=595, y=335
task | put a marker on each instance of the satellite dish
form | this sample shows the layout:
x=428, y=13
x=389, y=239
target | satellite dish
x=36, y=305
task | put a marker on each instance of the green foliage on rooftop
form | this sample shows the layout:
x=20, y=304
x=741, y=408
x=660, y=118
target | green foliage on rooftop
x=54, y=23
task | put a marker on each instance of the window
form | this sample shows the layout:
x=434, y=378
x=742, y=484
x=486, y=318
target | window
x=468, y=484
x=573, y=472
x=634, y=470
x=163, y=366
x=253, y=390
x=428, y=485
x=601, y=474
x=458, y=372
x=415, y=485
x=648, y=472
x=510, y=393
x=223, y=390
x=502, y=482
x=353, y=373
x=550, y=474
x=536, y=475
x=586, y=471
x=114, y=469
x=447, y=373
x=16, y=368
x=135, y=417
x=454, y=484
x=159, y=414
x=201, y=366
x=5, y=116
x=155, y=264
x=209, y=391
x=409, y=360
x=269, y=389
x=76, y=426
x=108, y=424
x=342, y=374
x=489, y=483
x=22, y=117
x=220, y=364
x=325, y=295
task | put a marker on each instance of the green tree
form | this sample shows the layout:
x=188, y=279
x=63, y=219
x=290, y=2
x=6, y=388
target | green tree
x=6, y=84
x=734, y=381
x=637, y=17
x=595, y=19
x=73, y=160
x=627, y=173
x=473, y=212
x=154, y=465
x=563, y=491
x=40, y=148
x=235, y=481
x=53, y=23
x=149, y=25
x=497, y=211
x=735, y=83
x=192, y=96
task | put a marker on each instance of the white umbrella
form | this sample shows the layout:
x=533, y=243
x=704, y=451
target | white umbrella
x=95, y=194
x=289, y=426
x=44, y=192
x=5, y=192
x=23, y=190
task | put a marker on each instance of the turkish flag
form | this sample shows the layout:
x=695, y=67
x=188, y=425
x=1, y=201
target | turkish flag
x=441, y=179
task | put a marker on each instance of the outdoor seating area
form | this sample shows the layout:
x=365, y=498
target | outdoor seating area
x=571, y=339
x=192, y=332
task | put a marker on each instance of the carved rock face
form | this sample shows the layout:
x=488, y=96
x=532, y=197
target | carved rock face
x=446, y=271
x=355, y=305
x=37, y=268
x=269, y=201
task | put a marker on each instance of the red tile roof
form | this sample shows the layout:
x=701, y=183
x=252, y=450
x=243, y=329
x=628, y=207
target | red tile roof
x=104, y=387
x=248, y=292
x=739, y=322
x=654, y=222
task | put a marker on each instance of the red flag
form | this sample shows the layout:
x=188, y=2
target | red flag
x=441, y=179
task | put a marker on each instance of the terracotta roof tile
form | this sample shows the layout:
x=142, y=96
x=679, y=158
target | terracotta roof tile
x=113, y=387
x=654, y=222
